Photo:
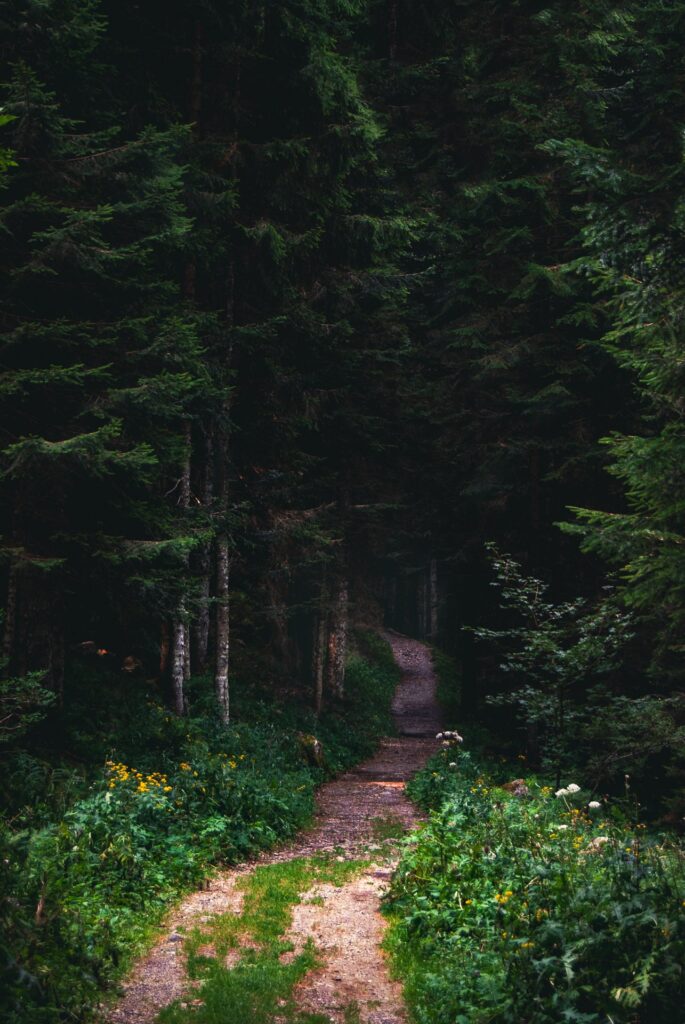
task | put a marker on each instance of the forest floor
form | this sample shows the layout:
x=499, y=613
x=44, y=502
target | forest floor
x=360, y=818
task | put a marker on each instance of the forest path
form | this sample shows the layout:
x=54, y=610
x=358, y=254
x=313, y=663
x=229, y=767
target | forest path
x=359, y=816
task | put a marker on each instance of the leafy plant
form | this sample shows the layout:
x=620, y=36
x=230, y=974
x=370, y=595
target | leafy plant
x=538, y=906
x=88, y=869
x=551, y=652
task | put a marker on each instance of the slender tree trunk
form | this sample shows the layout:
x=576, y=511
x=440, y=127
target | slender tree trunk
x=337, y=639
x=186, y=654
x=204, y=560
x=222, y=541
x=8, y=640
x=421, y=603
x=319, y=651
x=196, y=83
x=392, y=29
x=178, y=667
x=434, y=599
x=56, y=669
x=180, y=664
x=223, y=622
x=164, y=648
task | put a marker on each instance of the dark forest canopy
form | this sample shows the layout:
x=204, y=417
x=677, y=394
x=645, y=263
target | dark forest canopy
x=305, y=302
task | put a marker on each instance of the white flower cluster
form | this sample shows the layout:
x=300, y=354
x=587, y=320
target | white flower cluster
x=448, y=738
x=569, y=791
x=594, y=804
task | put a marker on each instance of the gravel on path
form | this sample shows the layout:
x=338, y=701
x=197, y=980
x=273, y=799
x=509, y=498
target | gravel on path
x=345, y=923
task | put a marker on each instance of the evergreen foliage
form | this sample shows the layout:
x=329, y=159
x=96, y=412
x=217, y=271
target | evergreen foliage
x=301, y=305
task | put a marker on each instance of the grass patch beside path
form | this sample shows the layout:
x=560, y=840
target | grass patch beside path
x=259, y=987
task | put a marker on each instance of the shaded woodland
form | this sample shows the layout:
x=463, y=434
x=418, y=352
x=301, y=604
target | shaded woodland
x=320, y=316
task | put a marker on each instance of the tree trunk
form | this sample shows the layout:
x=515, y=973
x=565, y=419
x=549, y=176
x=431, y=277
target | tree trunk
x=223, y=636
x=196, y=83
x=392, y=29
x=204, y=561
x=337, y=639
x=164, y=648
x=434, y=599
x=8, y=642
x=223, y=570
x=421, y=604
x=178, y=667
x=319, y=651
x=180, y=664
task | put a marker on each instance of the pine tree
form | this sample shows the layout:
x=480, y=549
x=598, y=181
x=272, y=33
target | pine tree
x=100, y=357
x=631, y=183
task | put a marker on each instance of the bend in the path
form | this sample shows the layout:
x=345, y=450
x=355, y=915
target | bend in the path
x=348, y=929
x=348, y=806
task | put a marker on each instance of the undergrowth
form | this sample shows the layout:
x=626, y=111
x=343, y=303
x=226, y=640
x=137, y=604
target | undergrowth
x=518, y=905
x=93, y=853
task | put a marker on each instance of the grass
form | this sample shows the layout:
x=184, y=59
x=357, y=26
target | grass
x=387, y=827
x=259, y=986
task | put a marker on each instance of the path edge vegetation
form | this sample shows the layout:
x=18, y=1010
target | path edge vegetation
x=86, y=893
x=518, y=901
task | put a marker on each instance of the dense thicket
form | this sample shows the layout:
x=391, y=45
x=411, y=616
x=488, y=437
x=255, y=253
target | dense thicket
x=301, y=304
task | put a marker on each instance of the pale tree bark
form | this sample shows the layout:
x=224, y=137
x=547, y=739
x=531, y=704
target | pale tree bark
x=223, y=620
x=222, y=543
x=222, y=653
x=8, y=640
x=434, y=599
x=186, y=653
x=178, y=667
x=204, y=560
x=179, y=629
x=337, y=638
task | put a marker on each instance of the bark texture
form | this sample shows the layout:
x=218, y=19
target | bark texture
x=337, y=638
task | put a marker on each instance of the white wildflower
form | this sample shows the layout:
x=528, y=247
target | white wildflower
x=573, y=788
x=439, y=736
x=594, y=804
x=562, y=792
x=562, y=828
x=453, y=764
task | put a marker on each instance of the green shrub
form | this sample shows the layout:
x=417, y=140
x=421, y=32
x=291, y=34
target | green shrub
x=93, y=864
x=536, y=907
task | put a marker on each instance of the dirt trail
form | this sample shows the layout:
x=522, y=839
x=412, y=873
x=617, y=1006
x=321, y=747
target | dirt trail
x=345, y=923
